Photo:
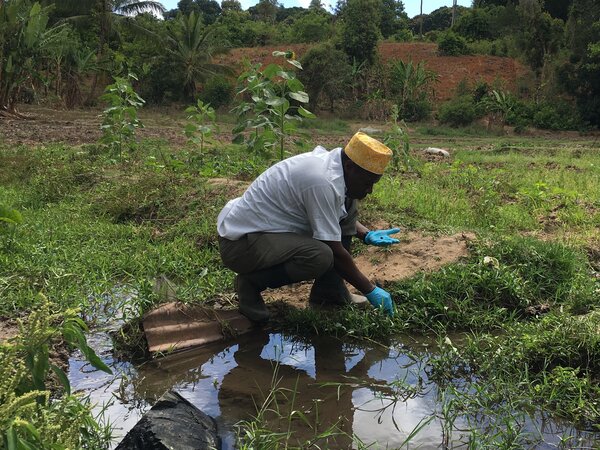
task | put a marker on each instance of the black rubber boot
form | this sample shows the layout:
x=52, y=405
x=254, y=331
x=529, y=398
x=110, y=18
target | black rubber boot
x=330, y=289
x=249, y=286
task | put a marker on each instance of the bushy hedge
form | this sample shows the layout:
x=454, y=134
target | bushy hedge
x=218, y=91
x=558, y=115
x=459, y=111
x=451, y=44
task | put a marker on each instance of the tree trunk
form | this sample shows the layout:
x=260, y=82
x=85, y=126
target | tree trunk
x=105, y=10
x=453, y=12
x=421, y=21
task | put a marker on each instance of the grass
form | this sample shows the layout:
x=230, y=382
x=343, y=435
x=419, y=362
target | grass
x=552, y=362
x=503, y=282
x=504, y=192
x=92, y=223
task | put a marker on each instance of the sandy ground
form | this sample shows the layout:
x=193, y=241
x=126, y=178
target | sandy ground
x=415, y=253
x=8, y=329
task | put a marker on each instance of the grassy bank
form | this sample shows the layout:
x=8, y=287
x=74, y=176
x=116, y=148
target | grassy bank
x=92, y=223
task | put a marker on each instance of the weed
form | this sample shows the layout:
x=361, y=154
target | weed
x=120, y=120
x=199, y=129
x=29, y=418
x=272, y=90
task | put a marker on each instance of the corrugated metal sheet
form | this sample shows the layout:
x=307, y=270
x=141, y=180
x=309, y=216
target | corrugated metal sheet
x=175, y=326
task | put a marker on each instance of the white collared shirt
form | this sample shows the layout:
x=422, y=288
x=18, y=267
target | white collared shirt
x=303, y=194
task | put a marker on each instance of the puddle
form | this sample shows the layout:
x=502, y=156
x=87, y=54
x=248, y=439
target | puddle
x=381, y=394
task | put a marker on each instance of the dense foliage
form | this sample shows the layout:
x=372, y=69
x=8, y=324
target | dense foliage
x=65, y=52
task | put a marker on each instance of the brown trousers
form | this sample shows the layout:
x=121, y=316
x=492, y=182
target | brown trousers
x=303, y=257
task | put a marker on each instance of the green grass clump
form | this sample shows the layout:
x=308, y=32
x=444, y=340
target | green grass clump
x=554, y=272
x=553, y=362
x=498, y=283
x=345, y=322
x=501, y=282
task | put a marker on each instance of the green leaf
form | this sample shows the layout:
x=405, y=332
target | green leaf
x=95, y=360
x=295, y=63
x=286, y=75
x=295, y=85
x=301, y=96
x=11, y=438
x=11, y=216
x=305, y=113
x=40, y=367
x=64, y=380
x=271, y=70
x=275, y=102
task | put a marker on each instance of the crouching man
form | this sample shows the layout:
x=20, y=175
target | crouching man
x=296, y=221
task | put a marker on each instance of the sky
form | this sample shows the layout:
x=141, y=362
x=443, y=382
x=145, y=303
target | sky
x=412, y=7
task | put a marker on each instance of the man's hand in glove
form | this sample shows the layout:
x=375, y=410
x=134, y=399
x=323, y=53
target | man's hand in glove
x=380, y=298
x=381, y=238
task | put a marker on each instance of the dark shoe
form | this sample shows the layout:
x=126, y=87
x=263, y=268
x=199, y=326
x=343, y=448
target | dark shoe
x=249, y=286
x=329, y=290
x=252, y=304
x=336, y=299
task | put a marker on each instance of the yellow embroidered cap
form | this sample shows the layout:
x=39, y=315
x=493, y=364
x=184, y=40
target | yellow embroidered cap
x=368, y=153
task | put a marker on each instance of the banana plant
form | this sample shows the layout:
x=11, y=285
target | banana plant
x=410, y=83
x=24, y=35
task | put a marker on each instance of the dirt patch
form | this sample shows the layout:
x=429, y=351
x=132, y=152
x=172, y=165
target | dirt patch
x=451, y=70
x=415, y=253
x=82, y=126
x=229, y=187
x=8, y=329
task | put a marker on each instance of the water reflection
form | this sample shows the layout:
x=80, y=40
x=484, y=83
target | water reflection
x=374, y=393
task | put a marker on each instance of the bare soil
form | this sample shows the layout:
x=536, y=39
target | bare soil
x=8, y=329
x=415, y=253
x=451, y=70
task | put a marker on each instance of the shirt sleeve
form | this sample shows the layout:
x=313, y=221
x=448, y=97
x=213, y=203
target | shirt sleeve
x=323, y=209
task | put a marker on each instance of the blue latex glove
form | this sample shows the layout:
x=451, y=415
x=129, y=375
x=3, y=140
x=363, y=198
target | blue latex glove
x=380, y=298
x=381, y=238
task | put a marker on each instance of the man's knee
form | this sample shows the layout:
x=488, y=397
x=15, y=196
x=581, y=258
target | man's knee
x=311, y=260
x=322, y=259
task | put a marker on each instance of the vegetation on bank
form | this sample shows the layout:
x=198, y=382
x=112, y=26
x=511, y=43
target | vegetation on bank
x=90, y=220
x=79, y=222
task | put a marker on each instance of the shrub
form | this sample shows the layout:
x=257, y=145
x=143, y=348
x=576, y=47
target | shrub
x=310, y=27
x=326, y=73
x=558, y=115
x=520, y=116
x=458, y=112
x=483, y=47
x=419, y=109
x=218, y=91
x=403, y=35
x=451, y=44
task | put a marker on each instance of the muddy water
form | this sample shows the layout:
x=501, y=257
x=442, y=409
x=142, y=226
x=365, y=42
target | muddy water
x=378, y=394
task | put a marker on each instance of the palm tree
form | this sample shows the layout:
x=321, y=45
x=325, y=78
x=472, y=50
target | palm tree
x=106, y=13
x=191, y=46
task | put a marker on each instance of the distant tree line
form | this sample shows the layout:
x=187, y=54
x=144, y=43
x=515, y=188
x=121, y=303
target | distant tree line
x=63, y=50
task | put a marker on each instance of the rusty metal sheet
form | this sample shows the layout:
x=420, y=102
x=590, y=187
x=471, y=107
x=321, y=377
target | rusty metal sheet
x=175, y=326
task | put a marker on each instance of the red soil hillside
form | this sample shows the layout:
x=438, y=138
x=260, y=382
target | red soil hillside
x=450, y=69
